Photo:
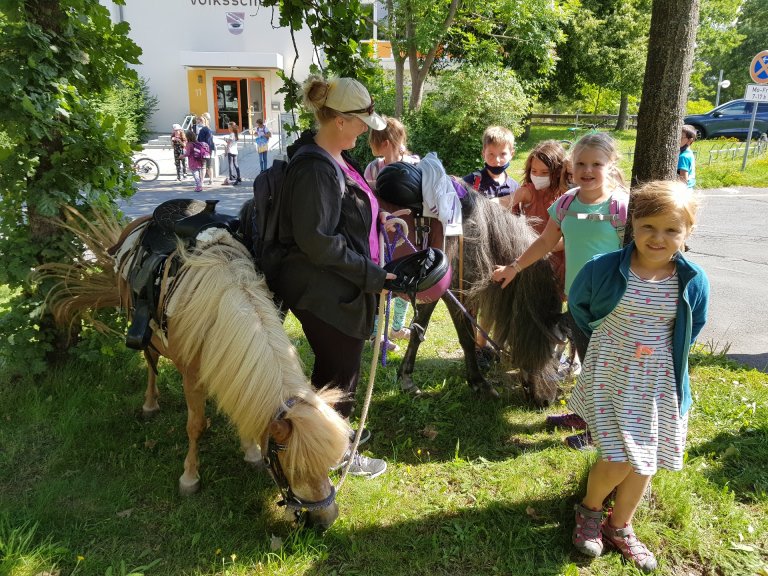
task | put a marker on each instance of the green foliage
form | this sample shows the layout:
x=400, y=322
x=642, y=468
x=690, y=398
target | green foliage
x=463, y=104
x=698, y=106
x=717, y=36
x=21, y=552
x=131, y=103
x=523, y=36
x=336, y=27
x=606, y=48
x=751, y=24
x=57, y=148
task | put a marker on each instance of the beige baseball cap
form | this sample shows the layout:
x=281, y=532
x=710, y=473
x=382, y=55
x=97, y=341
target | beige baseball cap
x=348, y=96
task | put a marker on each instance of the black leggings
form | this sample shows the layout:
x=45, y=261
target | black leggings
x=337, y=358
x=232, y=162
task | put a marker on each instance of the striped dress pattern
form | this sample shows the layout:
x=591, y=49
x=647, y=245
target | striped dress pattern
x=626, y=391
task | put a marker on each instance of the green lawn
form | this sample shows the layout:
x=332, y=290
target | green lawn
x=474, y=486
x=708, y=175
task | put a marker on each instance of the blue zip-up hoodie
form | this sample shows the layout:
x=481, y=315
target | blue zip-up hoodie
x=599, y=286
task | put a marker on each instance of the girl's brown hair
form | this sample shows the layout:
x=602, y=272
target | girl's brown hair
x=394, y=133
x=552, y=154
x=663, y=197
x=232, y=126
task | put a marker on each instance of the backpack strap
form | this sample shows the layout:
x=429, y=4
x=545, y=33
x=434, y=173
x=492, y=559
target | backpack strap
x=617, y=215
x=563, y=203
x=315, y=149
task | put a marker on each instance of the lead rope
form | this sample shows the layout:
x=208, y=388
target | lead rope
x=371, y=377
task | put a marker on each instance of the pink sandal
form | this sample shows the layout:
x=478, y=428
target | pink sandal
x=587, y=535
x=625, y=541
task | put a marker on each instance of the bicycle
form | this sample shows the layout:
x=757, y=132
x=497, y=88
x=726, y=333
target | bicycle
x=146, y=169
x=587, y=128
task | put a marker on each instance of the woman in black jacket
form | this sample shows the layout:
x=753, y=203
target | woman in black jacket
x=331, y=273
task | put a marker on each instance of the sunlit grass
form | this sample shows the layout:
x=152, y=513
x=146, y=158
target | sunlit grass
x=719, y=173
x=473, y=486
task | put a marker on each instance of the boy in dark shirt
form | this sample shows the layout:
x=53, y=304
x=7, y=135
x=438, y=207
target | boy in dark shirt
x=492, y=180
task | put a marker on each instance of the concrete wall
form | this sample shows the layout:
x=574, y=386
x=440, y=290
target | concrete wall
x=185, y=40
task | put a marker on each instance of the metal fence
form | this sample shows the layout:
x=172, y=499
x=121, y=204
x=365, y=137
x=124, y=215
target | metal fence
x=720, y=151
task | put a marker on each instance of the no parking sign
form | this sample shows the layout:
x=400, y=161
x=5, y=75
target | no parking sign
x=758, y=69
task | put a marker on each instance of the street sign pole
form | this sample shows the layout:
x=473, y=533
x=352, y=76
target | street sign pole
x=749, y=135
x=719, y=83
x=758, y=70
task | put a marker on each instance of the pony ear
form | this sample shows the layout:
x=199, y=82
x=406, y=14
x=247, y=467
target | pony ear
x=280, y=430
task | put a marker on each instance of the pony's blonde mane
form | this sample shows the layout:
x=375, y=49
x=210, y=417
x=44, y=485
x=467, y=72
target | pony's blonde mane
x=221, y=314
x=221, y=317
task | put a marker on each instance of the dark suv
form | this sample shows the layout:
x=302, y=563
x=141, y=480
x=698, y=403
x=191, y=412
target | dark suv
x=730, y=120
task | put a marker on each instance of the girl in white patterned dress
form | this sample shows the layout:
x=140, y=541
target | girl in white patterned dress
x=643, y=306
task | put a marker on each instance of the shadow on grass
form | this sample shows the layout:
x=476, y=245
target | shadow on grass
x=449, y=420
x=743, y=462
x=520, y=538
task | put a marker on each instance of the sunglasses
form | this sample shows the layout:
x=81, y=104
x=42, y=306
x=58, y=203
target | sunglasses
x=368, y=110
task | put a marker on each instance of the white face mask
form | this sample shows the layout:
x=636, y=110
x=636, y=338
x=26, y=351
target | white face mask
x=540, y=182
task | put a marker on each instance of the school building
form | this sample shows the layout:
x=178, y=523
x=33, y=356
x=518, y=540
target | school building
x=215, y=56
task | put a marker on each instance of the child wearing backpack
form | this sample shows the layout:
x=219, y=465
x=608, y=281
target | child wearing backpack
x=589, y=220
x=643, y=306
x=196, y=152
x=389, y=145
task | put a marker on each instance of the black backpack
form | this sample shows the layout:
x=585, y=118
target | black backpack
x=261, y=236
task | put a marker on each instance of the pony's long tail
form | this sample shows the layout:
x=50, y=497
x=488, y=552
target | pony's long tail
x=87, y=282
x=522, y=317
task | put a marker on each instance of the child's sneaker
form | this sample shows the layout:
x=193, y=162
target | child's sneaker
x=625, y=541
x=402, y=334
x=362, y=465
x=587, y=536
x=364, y=436
x=579, y=441
x=564, y=421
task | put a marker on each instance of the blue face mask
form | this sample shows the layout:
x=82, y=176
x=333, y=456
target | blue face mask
x=496, y=170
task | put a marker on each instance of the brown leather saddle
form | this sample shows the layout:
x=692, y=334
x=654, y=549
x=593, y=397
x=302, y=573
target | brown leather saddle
x=173, y=221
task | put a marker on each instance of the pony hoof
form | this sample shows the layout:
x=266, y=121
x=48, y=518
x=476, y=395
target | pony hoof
x=187, y=488
x=149, y=413
x=411, y=389
x=485, y=389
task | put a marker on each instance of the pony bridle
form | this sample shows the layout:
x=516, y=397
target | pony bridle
x=272, y=462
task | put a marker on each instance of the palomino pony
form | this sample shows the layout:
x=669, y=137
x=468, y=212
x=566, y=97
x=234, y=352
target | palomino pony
x=225, y=336
x=525, y=319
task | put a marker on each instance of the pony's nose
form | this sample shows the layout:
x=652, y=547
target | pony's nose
x=323, y=519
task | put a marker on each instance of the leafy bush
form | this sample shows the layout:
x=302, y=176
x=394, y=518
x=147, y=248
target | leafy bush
x=463, y=103
x=698, y=106
x=132, y=103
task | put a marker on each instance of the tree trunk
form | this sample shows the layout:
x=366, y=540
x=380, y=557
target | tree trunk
x=621, y=122
x=665, y=89
x=399, y=89
x=665, y=92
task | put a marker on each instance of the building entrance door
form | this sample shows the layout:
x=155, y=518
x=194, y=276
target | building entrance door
x=227, y=102
x=233, y=98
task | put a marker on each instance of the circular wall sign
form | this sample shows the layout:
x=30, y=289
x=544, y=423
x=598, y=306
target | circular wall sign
x=758, y=69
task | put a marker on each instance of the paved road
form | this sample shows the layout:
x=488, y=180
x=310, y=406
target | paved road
x=730, y=242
